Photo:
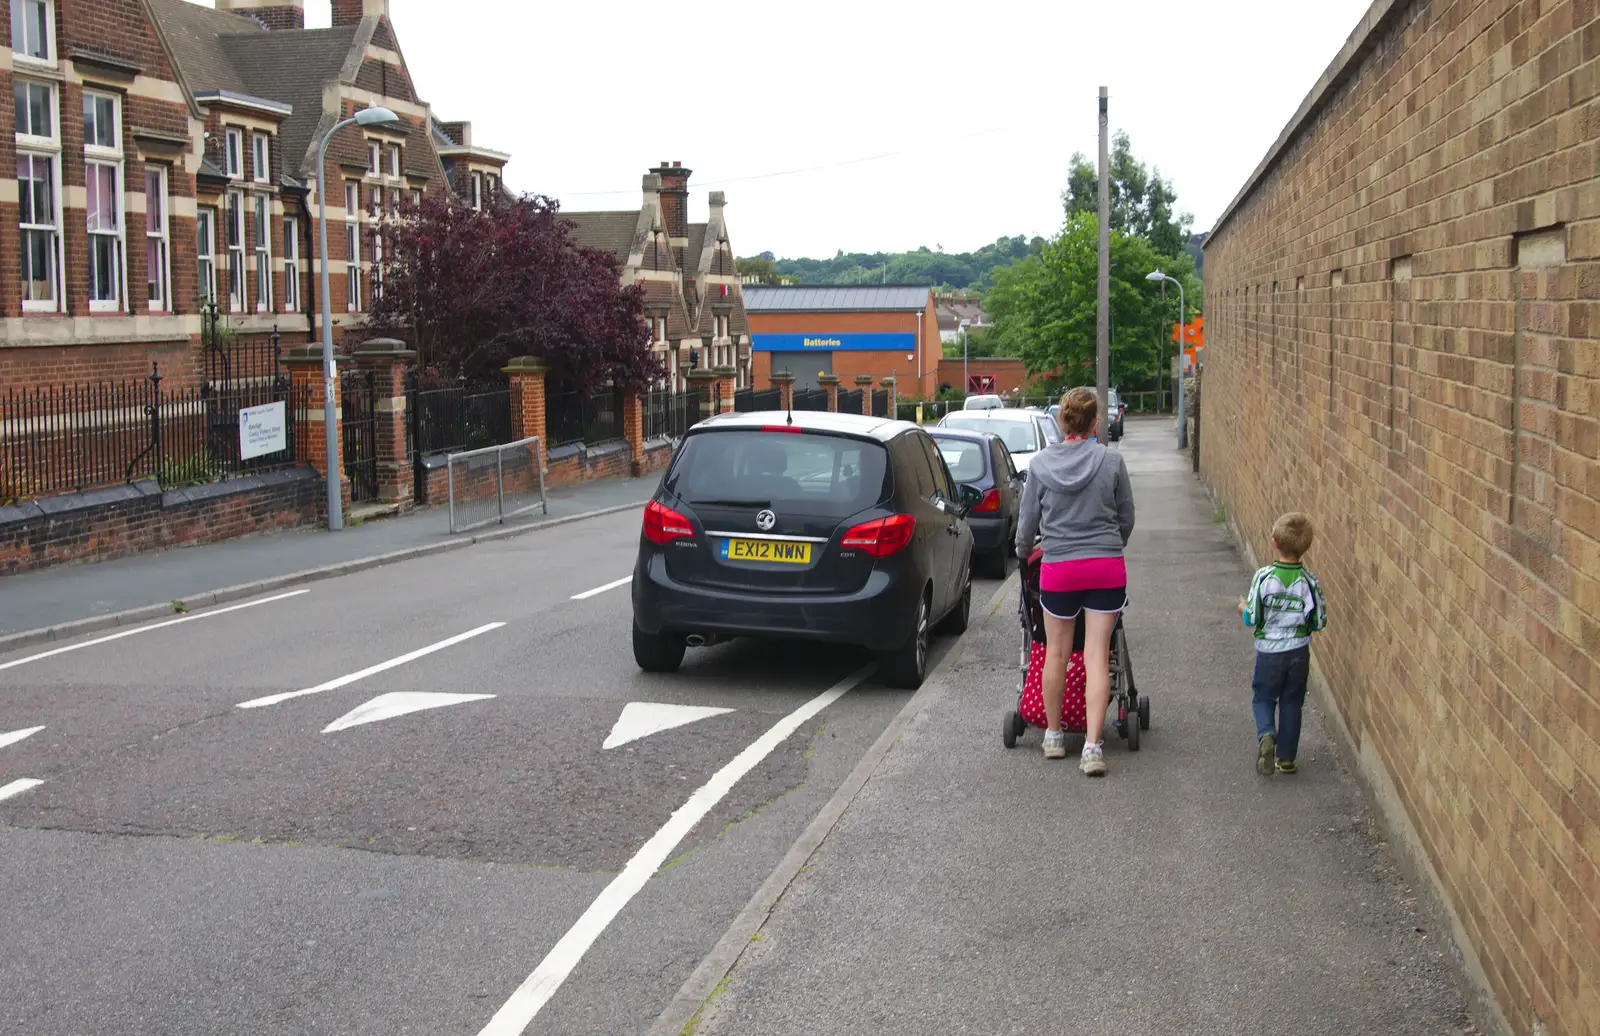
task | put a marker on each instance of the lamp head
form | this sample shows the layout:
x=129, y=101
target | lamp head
x=1155, y=275
x=375, y=116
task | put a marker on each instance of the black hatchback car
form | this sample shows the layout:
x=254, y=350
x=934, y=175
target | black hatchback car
x=811, y=525
x=981, y=460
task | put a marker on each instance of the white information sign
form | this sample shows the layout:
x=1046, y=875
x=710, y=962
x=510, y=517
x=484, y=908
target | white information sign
x=263, y=430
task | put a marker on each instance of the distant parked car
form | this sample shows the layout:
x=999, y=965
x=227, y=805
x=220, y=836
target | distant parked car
x=1114, y=412
x=1025, y=432
x=984, y=402
x=981, y=460
x=833, y=528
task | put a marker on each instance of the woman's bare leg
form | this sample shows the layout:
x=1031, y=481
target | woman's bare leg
x=1057, y=649
x=1097, y=671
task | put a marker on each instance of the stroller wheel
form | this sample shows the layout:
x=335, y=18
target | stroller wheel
x=1010, y=728
x=1131, y=731
x=1144, y=712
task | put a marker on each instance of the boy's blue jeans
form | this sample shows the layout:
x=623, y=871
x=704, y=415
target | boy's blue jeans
x=1279, y=694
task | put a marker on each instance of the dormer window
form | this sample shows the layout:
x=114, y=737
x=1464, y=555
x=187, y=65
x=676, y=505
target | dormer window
x=235, y=155
x=262, y=156
x=32, y=25
x=477, y=191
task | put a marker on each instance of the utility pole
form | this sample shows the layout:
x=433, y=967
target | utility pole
x=1102, y=355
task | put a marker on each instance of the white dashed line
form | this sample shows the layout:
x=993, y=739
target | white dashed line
x=146, y=629
x=18, y=787
x=539, y=987
x=17, y=735
x=602, y=589
x=343, y=681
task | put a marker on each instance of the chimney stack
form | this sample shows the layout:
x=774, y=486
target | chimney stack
x=674, y=198
x=274, y=14
x=350, y=12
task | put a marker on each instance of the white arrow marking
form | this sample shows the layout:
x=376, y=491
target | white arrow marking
x=17, y=735
x=17, y=787
x=398, y=703
x=642, y=718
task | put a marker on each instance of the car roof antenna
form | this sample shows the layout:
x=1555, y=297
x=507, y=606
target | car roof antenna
x=788, y=418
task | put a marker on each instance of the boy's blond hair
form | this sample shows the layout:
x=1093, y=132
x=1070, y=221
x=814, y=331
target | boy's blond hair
x=1293, y=534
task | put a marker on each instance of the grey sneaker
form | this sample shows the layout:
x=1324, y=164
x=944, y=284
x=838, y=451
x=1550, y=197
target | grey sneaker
x=1094, y=761
x=1055, y=744
x=1266, y=754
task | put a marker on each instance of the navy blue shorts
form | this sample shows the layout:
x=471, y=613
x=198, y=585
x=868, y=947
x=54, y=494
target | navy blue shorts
x=1067, y=604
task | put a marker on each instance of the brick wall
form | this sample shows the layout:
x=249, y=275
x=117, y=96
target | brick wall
x=110, y=523
x=1403, y=310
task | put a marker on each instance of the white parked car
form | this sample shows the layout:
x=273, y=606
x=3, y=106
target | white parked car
x=1025, y=432
x=986, y=402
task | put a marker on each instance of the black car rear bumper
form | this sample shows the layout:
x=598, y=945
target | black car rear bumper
x=879, y=616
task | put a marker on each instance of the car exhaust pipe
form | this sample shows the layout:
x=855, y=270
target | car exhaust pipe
x=695, y=640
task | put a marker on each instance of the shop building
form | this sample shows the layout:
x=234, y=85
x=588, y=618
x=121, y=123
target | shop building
x=848, y=331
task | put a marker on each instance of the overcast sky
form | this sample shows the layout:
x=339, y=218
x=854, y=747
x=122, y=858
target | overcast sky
x=900, y=123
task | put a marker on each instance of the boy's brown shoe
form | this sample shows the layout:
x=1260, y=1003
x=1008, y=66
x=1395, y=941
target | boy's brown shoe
x=1266, y=754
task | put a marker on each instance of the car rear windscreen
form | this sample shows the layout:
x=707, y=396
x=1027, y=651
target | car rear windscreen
x=822, y=475
x=1019, y=436
x=963, y=458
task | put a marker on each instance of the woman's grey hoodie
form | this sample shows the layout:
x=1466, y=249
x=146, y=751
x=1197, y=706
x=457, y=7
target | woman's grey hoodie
x=1078, y=500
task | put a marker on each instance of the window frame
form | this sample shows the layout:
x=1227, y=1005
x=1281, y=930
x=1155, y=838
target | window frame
x=233, y=153
x=394, y=161
x=261, y=218
x=291, y=265
x=56, y=303
x=110, y=158
x=30, y=140
x=352, y=246
x=477, y=191
x=206, y=258
x=49, y=58
x=416, y=199
x=374, y=158
x=233, y=213
x=160, y=238
x=261, y=157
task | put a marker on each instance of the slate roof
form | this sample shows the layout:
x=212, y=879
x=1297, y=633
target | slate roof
x=835, y=298
x=216, y=50
x=608, y=231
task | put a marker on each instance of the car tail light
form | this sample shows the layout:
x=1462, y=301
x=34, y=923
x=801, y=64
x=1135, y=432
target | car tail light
x=881, y=538
x=663, y=524
x=791, y=428
x=990, y=504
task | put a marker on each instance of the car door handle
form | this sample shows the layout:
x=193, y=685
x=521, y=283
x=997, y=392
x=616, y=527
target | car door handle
x=953, y=529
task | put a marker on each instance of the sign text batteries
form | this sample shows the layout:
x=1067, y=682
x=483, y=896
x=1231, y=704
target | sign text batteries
x=263, y=430
x=903, y=342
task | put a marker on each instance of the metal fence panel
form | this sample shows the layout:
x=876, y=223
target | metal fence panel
x=495, y=483
x=592, y=419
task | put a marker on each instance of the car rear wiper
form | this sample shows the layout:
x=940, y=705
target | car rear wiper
x=734, y=503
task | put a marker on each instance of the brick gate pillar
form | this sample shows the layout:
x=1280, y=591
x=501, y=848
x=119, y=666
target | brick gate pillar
x=783, y=381
x=830, y=385
x=864, y=384
x=708, y=384
x=526, y=375
x=727, y=378
x=894, y=398
x=633, y=427
x=306, y=413
x=388, y=359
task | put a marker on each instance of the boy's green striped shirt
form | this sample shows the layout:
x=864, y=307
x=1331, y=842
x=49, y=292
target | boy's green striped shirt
x=1285, y=607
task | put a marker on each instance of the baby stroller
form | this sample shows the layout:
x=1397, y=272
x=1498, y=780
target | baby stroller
x=1132, y=711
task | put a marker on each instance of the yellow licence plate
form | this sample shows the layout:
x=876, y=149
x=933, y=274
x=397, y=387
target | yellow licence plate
x=780, y=551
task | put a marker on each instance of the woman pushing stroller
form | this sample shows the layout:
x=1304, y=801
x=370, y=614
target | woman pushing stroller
x=1079, y=502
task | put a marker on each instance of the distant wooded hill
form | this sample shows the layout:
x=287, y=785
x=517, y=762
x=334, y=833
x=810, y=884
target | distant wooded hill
x=931, y=266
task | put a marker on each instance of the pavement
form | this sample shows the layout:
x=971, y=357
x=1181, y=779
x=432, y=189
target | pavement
x=54, y=596
x=972, y=889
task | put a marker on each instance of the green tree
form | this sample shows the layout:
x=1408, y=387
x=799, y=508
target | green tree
x=1141, y=201
x=959, y=271
x=759, y=267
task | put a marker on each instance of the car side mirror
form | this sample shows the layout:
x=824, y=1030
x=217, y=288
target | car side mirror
x=1022, y=476
x=968, y=497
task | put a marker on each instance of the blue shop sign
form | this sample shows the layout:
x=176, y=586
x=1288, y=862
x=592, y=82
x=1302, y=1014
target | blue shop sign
x=904, y=342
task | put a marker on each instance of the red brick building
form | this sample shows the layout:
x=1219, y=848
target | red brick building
x=693, y=296
x=848, y=331
x=165, y=156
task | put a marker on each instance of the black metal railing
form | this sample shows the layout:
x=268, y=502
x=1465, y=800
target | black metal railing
x=458, y=417
x=880, y=403
x=850, y=402
x=667, y=414
x=68, y=438
x=589, y=418
x=811, y=399
x=749, y=400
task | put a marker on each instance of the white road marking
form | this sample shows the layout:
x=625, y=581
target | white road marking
x=642, y=718
x=602, y=589
x=146, y=629
x=398, y=703
x=536, y=991
x=17, y=735
x=333, y=685
x=17, y=787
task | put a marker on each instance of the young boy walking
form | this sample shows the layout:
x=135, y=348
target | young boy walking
x=1284, y=608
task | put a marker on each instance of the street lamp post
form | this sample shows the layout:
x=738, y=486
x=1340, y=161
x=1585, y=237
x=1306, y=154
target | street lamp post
x=1183, y=430
x=330, y=423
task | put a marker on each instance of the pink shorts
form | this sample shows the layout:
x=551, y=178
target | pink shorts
x=1068, y=588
